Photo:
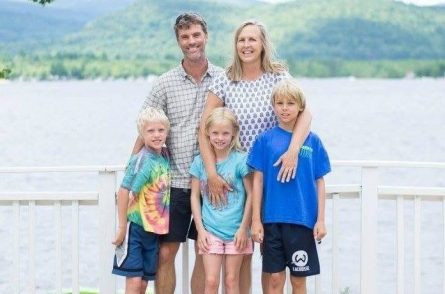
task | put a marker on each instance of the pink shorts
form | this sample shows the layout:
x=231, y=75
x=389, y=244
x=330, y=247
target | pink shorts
x=218, y=246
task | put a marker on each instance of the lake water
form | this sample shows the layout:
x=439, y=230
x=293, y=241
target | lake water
x=93, y=123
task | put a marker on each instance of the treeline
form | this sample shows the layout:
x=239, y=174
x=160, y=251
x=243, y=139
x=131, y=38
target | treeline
x=91, y=66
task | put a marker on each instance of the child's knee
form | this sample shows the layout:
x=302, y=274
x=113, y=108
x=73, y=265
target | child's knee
x=298, y=282
x=276, y=280
x=211, y=282
x=231, y=281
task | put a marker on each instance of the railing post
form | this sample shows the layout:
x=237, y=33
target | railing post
x=107, y=227
x=369, y=198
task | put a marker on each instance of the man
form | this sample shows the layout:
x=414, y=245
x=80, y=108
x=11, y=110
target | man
x=181, y=93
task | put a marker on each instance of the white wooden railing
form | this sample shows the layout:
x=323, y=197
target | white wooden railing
x=368, y=190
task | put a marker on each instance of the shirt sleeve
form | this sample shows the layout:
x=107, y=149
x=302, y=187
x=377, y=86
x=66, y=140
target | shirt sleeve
x=129, y=172
x=255, y=159
x=143, y=176
x=195, y=168
x=322, y=165
x=243, y=168
x=219, y=85
x=157, y=97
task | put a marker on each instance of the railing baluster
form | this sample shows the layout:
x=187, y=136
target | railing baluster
x=58, y=244
x=75, y=249
x=368, y=235
x=417, y=223
x=185, y=268
x=107, y=228
x=443, y=246
x=16, y=228
x=334, y=236
x=318, y=284
x=31, y=244
x=400, y=245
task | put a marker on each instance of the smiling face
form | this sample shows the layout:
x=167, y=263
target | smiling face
x=287, y=111
x=154, y=135
x=249, y=45
x=220, y=135
x=192, y=41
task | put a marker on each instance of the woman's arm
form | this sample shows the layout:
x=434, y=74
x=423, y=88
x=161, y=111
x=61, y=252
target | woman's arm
x=217, y=186
x=289, y=159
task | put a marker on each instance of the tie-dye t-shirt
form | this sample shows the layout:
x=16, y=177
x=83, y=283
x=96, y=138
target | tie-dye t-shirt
x=148, y=178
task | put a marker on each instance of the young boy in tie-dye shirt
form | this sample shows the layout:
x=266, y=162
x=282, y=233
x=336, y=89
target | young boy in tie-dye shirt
x=143, y=204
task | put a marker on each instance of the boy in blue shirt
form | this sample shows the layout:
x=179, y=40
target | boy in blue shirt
x=287, y=217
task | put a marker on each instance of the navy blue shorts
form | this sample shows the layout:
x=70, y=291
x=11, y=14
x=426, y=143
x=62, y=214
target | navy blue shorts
x=180, y=215
x=142, y=254
x=292, y=246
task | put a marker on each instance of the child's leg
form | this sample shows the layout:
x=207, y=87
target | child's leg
x=232, y=273
x=276, y=282
x=133, y=285
x=212, y=268
x=298, y=285
x=144, y=285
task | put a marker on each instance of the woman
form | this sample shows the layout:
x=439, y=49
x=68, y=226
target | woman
x=245, y=88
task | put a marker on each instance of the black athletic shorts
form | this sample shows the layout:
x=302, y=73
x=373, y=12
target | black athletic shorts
x=292, y=246
x=180, y=214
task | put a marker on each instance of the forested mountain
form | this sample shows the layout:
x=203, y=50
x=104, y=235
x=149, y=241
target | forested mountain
x=330, y=33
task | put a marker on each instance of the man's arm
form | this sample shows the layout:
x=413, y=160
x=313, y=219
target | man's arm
x=289, y=159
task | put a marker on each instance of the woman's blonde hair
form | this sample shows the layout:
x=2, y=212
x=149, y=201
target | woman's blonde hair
x=220, y=114
x=150, y=115
x=268, y=59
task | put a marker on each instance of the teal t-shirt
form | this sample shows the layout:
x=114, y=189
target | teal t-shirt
x=224, y=221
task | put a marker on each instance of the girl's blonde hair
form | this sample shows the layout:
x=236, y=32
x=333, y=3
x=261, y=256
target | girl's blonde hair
x=268, y=59
x=224, y=114
x=150, y=115
x=289, y=89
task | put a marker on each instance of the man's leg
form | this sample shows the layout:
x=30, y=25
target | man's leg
x=198, y=283
x=166, y=276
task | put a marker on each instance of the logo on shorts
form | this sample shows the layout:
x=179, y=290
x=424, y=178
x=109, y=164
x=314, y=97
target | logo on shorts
x=300, y=260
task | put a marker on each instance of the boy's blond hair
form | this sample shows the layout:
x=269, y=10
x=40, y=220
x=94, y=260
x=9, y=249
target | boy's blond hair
x=224, y=114
x=289, y=89
x=150, y=115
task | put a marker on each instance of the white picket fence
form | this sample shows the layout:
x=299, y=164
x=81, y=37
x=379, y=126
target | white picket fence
x=368, y=191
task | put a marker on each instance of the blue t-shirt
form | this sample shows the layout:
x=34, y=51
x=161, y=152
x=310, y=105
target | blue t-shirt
x=223, y=222
x=293, y=202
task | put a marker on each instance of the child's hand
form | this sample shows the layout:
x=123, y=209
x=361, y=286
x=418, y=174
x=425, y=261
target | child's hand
x=319, y=230
x=120, y=236
x=203, y=242
x=257, y=231
x=240, y=239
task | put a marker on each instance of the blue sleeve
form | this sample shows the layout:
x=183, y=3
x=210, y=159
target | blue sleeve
x=195, y=168
x=256, y=158
x=142, y=176
x=243, y=168
x=157, y=97
x=321, y=163
x=129, y=172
